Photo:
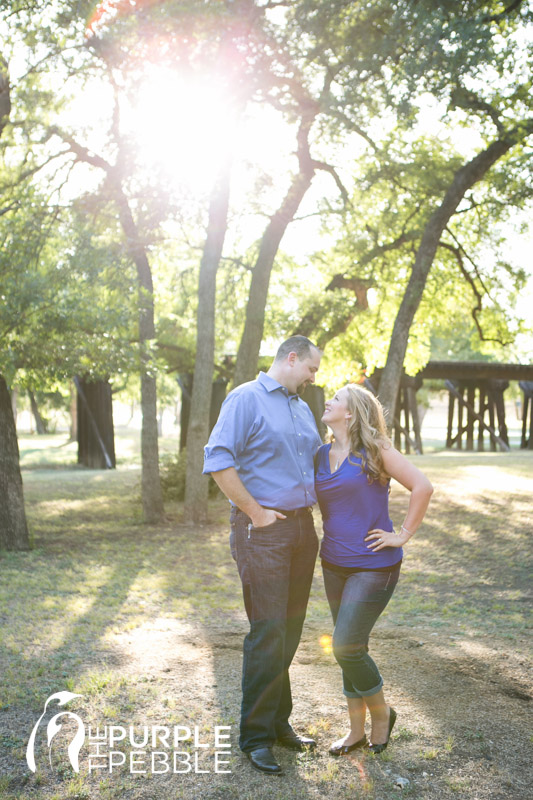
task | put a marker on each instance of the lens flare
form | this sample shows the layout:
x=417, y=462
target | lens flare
x=183, y=124
x=325, y=643
x=108, y=10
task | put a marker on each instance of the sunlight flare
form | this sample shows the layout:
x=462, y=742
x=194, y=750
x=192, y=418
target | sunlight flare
x=183, y=124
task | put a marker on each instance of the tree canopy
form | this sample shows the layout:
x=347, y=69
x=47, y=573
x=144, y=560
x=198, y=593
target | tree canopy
x=185, y=183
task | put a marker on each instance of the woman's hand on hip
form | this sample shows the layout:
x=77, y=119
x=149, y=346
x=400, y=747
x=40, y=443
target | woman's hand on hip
x=377, y=539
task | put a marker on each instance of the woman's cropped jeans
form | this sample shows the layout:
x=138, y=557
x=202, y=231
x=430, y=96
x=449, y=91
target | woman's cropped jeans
x=356, y=600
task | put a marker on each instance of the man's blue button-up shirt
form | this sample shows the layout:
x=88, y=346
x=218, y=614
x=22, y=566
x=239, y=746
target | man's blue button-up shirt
x=270, y=437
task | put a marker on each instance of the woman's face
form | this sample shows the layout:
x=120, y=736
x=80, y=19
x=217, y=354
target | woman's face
x=337, y=409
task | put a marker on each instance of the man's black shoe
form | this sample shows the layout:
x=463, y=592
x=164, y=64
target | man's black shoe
x=295, y=742
x=263, y=760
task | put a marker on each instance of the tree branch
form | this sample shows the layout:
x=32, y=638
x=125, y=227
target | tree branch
x=82, y=153
x=380, y=249
x=238, y=262
x=359, y=286
x=8, y=208
x=353, y=126
x=506, y=11
x=33, y=170
x=333, y=172
x=467, y=100
x=277, y=4
x=458, y=253
x=463, y=251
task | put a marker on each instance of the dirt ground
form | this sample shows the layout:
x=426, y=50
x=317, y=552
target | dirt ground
x=463, y=713
x=452, y=648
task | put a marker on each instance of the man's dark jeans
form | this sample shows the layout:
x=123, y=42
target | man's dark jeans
x=276, y=567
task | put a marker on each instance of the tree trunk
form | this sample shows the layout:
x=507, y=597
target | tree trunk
x=185, y=382
x=248, y=353
x=13, y=526
x=196, y=485
x=14, y=398
x=464, y=179
x=73, y=410
x=5, y=94
x=40, y=422
x=152, y=496
x=96, y=435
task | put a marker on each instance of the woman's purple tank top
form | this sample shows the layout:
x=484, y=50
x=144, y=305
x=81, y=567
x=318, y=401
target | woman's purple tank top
x=351, y=507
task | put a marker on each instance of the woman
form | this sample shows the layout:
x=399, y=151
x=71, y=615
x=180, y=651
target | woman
x=361, y=552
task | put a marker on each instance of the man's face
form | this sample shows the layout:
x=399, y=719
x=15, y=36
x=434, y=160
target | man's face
x=305, y=370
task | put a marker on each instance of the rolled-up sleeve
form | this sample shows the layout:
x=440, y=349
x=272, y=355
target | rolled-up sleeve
x=228, y=437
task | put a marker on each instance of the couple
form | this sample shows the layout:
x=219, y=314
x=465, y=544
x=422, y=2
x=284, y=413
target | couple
x=266, y=455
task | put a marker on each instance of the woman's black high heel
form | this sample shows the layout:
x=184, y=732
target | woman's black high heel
x=379, y=748
x=344, y=749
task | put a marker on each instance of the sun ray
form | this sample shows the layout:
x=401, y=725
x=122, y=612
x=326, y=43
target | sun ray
x=183, y=123
x=108, y=10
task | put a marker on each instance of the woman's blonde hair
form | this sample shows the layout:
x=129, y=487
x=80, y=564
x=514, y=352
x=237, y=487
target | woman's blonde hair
x=367, y=430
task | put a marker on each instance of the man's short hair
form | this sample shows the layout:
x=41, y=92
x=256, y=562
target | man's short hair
x=300, y=345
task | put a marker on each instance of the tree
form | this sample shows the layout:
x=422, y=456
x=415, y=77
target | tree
x=352, y=52
x=13, y=525
x=471, y=280
x=439, y=50
x=252, y=335
x=504, y=105
x=82, y=62
x=60, y=298
x=230, y=63
x=464, y=179
x=363, y=58
x=196, y=488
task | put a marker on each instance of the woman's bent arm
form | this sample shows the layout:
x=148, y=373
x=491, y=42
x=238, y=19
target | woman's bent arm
x=399, y=468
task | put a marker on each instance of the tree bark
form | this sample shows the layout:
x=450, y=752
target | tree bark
x=464, y=179
x=152, y=496
x=40, y=423
x=73, y=411
x=96, y=434
x=196, y=485
x=5, y=94
x=248, y=353
x=14, y=398
x=13, y=526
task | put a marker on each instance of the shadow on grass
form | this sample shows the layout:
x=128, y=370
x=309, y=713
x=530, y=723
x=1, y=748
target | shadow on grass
x=148, y=622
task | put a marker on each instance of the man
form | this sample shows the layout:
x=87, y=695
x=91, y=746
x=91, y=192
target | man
x=261, y=453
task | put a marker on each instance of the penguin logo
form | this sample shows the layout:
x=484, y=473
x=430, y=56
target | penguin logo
x=54, y=727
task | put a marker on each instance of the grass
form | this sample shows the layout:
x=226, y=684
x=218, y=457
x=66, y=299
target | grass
x=54, y=451
x=146, y=624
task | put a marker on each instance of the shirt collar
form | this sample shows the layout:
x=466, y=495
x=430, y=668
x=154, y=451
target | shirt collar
x=271, y=385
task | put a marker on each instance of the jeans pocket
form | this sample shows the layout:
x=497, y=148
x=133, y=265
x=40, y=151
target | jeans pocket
x=373, y=586
x=264, y=527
